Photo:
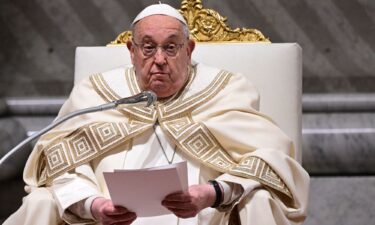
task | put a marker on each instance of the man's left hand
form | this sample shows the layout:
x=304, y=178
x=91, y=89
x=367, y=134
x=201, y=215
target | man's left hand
x=191, y=202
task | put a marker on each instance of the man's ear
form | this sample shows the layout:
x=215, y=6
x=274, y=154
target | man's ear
x=129, y=45
x=191, y=47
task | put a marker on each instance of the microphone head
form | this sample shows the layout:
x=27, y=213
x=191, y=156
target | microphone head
x=145, y=96
x=151, y=97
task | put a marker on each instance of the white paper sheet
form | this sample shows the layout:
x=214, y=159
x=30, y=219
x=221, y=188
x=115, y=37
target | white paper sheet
x=142, y=191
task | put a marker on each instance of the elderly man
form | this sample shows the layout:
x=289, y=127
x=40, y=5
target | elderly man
x=239, y=162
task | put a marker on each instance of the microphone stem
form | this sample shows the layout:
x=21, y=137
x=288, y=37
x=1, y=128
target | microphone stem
x=55, y=123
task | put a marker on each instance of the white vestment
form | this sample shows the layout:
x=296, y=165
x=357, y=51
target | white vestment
x=213, y=124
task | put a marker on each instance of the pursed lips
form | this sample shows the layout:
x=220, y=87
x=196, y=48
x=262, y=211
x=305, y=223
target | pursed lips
x=159, y=74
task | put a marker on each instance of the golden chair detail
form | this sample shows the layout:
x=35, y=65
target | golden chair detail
x=207, y=25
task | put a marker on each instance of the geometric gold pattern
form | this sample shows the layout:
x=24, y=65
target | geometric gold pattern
x=262, y=172
x=177, y=126
x=106, y=134
x=84, y=144
x=174, y=117
x=56, y=157
x=179, y=108
x=198, y=142
x=194, y=138
x=136, y=112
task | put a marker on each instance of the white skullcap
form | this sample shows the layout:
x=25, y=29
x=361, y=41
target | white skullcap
x=159, y=9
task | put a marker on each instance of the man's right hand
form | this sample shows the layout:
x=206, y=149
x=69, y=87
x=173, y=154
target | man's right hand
x=104, y=211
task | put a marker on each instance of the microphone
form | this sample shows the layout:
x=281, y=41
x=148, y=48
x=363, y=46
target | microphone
x=145, y=96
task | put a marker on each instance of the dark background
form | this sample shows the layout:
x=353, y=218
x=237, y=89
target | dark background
x=38, y=38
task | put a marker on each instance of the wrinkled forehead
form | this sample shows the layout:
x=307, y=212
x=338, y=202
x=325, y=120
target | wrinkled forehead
x=156, y=26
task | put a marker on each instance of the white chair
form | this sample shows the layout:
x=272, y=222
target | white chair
x=275, y=69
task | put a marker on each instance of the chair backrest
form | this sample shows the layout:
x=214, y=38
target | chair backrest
x=275, y=69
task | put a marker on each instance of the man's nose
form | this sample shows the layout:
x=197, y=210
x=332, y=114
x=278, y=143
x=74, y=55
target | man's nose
x=160, y=57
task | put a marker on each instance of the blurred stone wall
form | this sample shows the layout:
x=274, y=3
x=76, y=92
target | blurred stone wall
x=38, y=40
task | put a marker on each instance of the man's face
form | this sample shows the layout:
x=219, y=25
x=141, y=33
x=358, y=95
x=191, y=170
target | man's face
x=161, y=73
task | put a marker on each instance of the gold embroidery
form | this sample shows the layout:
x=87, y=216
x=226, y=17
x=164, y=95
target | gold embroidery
x=179, y=107
x=177, y=127
x=57, y=158
x=176, y=121
x=141, y=113
x=135, y=126
x=107, y=133
x=86, y=143
x=83, y=145
x=146, y=114
x=97, y=86
x=132, y=81
x=105, y=91
x=198, y=142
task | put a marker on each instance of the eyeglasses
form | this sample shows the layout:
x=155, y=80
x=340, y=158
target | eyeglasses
x=149, y=49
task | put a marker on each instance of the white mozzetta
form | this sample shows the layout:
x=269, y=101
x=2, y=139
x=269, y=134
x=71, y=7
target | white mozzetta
x=275, y=69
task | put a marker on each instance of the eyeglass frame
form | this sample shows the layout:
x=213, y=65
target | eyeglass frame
x=162, y=47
